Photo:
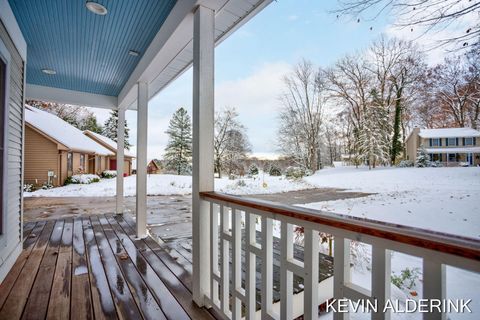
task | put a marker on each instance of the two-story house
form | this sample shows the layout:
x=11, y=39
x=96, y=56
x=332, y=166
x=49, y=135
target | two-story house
x=450, y=146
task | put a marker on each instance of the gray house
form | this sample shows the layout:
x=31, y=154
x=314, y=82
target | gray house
x=13, y=50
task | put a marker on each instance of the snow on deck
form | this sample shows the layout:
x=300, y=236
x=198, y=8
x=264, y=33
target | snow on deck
x=63, y=132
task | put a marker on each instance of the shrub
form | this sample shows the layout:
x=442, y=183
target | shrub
x=28, y=187
x=423, y=159
x=406, y=164
x=406, y=279
x=82, y=179
x=252, y=170
x=241, y=183
x=295, y=172
x=108, y=174
x=274, y=171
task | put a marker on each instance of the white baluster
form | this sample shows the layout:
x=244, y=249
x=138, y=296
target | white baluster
x=341, y=271
x=310, y=307
x=224, y=261
x=267, y=266
x=381, y=275
x=286, y=276
x=214, y=253
x=250, y=281
x=236, y=263
x=433, y=285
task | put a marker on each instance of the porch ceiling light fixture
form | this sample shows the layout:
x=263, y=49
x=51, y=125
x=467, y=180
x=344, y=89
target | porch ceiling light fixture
x=133, y=53
x=49, y=71
x=96, y=8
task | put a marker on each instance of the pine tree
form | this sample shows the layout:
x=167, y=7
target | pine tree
x=178, y=153
x=110, y=128
x=90, y=123
x=374, y=137
x=423, y=159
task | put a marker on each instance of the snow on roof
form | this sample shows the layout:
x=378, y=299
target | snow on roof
x=109, y=142
x=448, y=133
x=63, y=132
x=454, y=150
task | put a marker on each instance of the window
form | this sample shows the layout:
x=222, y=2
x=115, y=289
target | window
x=452, y=157
x=69, y=161
x=4, y=88
x=82, y=162
x=435, y=142
x=451, y=141
x=468, y=141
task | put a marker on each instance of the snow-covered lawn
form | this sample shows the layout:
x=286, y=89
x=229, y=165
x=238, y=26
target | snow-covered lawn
x=166, y=184
x=443, y=199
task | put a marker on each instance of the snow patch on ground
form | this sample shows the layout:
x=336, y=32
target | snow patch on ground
x=167, y=184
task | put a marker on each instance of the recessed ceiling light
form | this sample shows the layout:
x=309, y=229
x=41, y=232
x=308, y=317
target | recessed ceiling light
x=96, y=8
x=133, y=53
x=49, y=71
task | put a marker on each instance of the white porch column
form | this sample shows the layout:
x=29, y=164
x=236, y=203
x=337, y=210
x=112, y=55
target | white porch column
x=120, y=161
x=202, y=177
x=142, y=122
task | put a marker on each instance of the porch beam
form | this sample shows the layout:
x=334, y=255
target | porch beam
x=120, y=160
x=203, y=134
x=142, y=122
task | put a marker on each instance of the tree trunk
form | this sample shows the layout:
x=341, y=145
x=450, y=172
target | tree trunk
x=396, y=144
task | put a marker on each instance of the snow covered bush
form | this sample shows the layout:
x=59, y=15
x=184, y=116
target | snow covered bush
x=406, y=164
x=296, y=172
x=423, y=159
x=253, y=170
x=274, y=171
x=82, y=179
x=108, y=174
x=28, y=187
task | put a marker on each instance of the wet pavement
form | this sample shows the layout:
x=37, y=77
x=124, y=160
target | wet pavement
x=168, y=217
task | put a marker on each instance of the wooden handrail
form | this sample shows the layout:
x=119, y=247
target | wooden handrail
x=433, y=240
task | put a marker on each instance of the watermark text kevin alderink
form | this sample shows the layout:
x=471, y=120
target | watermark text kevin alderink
x=399, y=306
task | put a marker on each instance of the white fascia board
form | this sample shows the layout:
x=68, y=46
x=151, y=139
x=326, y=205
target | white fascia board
x=42, y=93
x=168, y=38
x=172, y=38
x=10, y=22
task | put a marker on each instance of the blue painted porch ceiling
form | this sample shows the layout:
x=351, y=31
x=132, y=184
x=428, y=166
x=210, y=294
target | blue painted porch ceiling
x=89, y=52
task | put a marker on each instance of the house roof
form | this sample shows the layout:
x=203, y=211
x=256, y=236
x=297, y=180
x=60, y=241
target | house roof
x=62, y=132
x=107, y=142
x=454, y=150
x=449, y=133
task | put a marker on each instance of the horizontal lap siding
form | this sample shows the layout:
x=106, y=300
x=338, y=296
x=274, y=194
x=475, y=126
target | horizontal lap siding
x=12, y=237
x=41, y=156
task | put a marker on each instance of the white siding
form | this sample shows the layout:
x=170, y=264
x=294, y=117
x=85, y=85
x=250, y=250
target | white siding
x=10, y=241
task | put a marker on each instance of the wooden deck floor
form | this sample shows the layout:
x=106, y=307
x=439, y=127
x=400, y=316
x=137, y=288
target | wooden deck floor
x=94, y=268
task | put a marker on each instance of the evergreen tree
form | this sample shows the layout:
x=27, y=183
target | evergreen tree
x=110, y=128
x=90, y=123
x=374, y=136
x=423, y=159
x=178, y=153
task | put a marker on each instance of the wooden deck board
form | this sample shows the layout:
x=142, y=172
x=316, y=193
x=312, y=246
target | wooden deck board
x=94, y=268
x=164, y=280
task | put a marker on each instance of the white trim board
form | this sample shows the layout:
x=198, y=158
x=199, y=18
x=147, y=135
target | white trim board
x=171, y=52
x=10, y=23
x=36, y=92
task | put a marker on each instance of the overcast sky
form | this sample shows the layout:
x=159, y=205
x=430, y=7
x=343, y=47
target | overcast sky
x=251, y=62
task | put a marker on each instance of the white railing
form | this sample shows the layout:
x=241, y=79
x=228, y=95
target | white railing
x=235, y=227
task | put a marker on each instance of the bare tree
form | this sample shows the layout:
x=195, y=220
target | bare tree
x=230, y=143
x=430, y=15
x=301, y=115
x=457, y=89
